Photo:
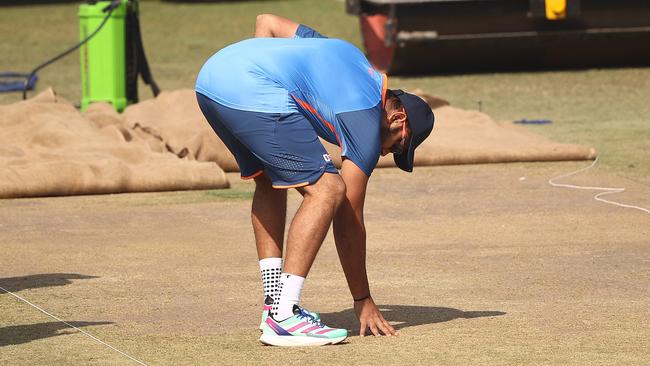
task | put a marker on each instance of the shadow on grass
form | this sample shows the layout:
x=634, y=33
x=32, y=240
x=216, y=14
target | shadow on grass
x=19, y=334
x=15, y=284
x=404, y=316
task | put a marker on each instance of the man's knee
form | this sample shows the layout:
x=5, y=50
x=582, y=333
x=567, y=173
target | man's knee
x=339, y=190
x=329, y=186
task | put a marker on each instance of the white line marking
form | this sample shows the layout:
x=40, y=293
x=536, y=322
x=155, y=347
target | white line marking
x=71, y=326
x=597, y=196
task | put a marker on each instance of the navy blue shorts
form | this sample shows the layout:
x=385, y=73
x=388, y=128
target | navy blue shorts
x=284, y=145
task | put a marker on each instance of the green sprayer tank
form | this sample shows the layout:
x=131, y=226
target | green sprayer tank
x=103, y=58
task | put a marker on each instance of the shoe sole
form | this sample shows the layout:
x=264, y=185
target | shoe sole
x=298, y=341
x=262, y=324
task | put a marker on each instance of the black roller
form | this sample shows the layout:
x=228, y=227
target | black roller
x=440, y=36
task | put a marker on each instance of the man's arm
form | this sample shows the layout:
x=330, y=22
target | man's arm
x=350, y=237
x=269, y=25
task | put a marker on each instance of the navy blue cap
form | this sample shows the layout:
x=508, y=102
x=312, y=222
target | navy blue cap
x=420, y=121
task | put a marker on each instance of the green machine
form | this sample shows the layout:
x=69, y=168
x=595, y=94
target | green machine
x=113, y=55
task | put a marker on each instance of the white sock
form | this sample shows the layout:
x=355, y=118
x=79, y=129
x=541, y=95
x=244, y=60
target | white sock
x=290, y=289
x=271, y=269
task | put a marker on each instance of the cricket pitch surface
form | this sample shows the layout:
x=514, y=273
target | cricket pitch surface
x=481, y=264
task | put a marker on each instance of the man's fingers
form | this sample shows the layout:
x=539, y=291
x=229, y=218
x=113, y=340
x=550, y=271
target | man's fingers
x=377, y=324
x=385, y=328
x=390, y=329
x=374, y=330
x=362, y=330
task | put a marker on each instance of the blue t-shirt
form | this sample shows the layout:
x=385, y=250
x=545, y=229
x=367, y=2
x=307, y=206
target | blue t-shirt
x=328, y=80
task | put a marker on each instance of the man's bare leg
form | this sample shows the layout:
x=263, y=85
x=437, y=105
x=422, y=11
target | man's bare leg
x=311, y=222
x=268, y=215
x=306, y=233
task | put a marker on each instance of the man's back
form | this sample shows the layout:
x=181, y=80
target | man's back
x=258, y=74
x=328, y=80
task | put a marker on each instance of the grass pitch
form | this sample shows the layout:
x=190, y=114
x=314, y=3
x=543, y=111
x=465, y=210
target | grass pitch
x=483, y=268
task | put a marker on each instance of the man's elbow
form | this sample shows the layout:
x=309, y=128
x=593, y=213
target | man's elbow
x=261, y=19
x=264, y=25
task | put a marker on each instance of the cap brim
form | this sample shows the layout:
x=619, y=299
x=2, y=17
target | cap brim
x=420, y=119
x=404, y=160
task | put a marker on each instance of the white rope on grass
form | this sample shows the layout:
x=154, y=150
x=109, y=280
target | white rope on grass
x=72, y=326
x=597, y=197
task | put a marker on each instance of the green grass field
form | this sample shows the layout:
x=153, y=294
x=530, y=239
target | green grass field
x=607, y=109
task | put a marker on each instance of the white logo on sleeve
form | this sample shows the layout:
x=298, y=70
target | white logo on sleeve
x=327, y=157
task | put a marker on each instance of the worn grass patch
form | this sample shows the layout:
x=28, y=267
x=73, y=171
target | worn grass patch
x=235, y=193
x=480, y=267
x=186, y=197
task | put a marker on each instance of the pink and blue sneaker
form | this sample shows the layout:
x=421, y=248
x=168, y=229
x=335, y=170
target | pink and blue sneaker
x=302, y=329
x=268, y=307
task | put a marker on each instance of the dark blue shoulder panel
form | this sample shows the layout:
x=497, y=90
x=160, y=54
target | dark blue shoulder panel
x=304, y=31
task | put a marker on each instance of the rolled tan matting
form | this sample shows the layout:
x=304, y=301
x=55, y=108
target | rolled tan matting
x=48, y=148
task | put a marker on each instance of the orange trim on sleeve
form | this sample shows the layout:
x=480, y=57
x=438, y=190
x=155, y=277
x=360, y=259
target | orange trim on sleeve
x=292, y=186
x=315, y=113
x=384, y=88
x=257, y=173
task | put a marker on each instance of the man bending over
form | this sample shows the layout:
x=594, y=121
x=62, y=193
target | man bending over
x=269, y=99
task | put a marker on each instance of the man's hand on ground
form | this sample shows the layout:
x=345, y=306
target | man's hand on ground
x=370, y=317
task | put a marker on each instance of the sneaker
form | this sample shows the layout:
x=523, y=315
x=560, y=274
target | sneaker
x=268, y=306
x=302, y=329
